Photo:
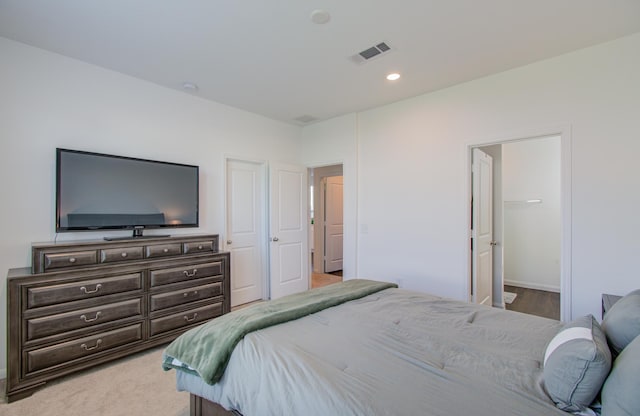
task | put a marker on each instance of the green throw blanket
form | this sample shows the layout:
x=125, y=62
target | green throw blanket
x=206, y=349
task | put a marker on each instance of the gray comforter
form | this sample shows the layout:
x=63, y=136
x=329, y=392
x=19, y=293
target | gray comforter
x=394, y=352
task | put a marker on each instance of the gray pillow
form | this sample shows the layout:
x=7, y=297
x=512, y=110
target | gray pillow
x=576, y=364
x=621, y=323
x=620, y=392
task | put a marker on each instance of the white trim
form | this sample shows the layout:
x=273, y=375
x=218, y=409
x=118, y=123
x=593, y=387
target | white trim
x=357, y=196
x=564, y=131
x=3, y=374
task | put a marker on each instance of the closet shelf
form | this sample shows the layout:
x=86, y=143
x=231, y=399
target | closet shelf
x=524, y=202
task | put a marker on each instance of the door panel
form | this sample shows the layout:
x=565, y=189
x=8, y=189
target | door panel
x=288, y=230
x=245, y=230
x=482, y=232
x=333, y=224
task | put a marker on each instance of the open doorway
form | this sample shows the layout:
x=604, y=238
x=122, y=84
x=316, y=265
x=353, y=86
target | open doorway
x=527, y=226
x=326, y=226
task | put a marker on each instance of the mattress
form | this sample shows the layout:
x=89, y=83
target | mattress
x=394, y=352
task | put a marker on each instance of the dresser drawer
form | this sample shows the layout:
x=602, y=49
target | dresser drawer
x=198, y=247
x=120, y=254
x=180, y=274
x=71, y=259
x=67, y=351
x=82, y=318
x=85, y=289
x=162, y=250
x=179, y=297
x=184, y=319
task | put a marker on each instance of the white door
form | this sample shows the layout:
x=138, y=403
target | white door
x=288, y=230
x=482, y=228
x=333, y=223
x=246, y=234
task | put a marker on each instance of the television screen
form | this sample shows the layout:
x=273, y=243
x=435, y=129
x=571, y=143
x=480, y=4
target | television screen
x=97, y=191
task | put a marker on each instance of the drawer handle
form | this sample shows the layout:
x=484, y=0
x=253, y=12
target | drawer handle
x=72, y=259
x=193, y=318
x=86, y=292
x=186, y=273
x=124, y=254
x=84, y=317
x=87, y=348
x=185, y=294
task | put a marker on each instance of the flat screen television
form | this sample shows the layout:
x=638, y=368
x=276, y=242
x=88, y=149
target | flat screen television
x=97, y=191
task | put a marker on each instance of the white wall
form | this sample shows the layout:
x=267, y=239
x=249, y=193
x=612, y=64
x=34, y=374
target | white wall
x=330, y=143
x=531, y=170
x=412, y=158
x=50, y=101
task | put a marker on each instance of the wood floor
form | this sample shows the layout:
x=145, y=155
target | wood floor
x=321, y=279
x=535, y=302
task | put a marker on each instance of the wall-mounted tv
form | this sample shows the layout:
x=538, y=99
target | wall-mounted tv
x=97, y=191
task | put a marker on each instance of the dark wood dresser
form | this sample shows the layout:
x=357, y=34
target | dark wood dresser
x=86, y=303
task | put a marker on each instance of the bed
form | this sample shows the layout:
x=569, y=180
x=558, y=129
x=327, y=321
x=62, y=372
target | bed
x=388, y=351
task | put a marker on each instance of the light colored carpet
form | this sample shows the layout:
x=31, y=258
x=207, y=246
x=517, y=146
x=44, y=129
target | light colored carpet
x=509, y=297
x=135, y=385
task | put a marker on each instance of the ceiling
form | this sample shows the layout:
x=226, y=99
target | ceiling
x=269, y=58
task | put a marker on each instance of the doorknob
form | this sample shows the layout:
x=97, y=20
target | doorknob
x=493, y=243
x=275, y=239
x=228, y=241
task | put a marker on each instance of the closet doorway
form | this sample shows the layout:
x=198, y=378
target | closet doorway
x=326, y=227
x=530, y=215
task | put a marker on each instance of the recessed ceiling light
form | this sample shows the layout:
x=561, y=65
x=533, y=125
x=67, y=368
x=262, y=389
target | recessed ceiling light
x=320, y=17
x=190, y=86
x=393, y=76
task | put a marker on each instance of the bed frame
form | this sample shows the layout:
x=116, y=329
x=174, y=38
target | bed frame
x=203, y=407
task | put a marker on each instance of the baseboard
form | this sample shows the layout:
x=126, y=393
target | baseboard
x=529, y=285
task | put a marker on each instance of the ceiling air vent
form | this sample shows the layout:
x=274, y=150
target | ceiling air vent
x=370, y=53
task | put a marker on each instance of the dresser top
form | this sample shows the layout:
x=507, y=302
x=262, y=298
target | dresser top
x=126, y=241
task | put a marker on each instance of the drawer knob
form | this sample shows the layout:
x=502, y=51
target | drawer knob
x=124, y=254
x=72, y=259
x=86, y=292
x=192, y=274
x=165, y=250
x=87, y=348
x=200, y=247
x=193, y=318
x=84, y=317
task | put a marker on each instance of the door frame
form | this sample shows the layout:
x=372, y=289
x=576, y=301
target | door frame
x=480, y=238
x=318, y=246
x=264, y=247
x=564, y=131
